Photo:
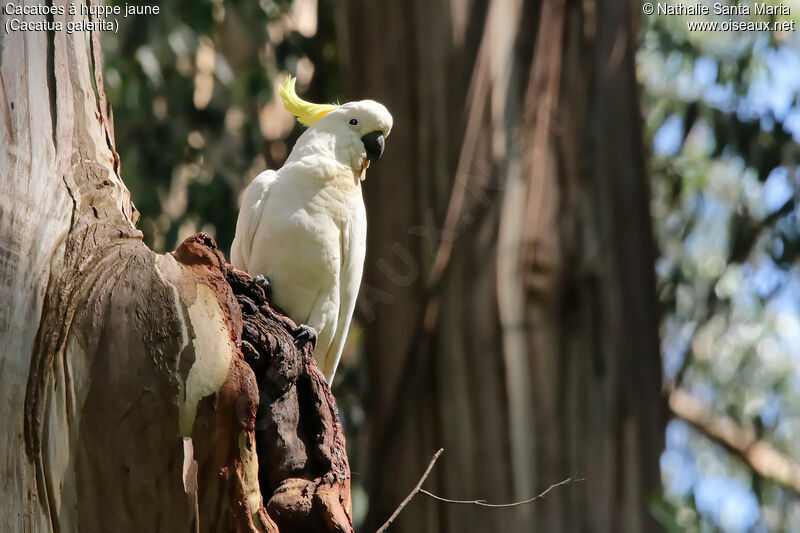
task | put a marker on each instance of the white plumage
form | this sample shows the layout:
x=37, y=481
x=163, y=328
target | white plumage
x=305, y=226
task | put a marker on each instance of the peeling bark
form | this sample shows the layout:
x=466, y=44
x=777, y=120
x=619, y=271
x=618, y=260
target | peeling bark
x=129, y=403
x=299, y=438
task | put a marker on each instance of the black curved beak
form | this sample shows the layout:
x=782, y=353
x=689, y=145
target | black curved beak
x=373, y=144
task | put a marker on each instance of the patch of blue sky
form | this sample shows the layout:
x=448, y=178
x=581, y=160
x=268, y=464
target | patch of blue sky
x=669, y=137
x=789, y=224
x=764, y=277
x=777, y=189
x=791, y=124
x=727, y=501
x=705, y=71
x=677, y=434
x=678, y=472
x=787, y=297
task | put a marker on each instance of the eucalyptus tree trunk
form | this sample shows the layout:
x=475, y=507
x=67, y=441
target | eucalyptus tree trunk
x=509, y=294
x=128, y=404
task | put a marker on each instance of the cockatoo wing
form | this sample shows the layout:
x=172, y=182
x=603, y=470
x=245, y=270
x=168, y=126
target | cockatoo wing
x=354, y=247
x=255, y=196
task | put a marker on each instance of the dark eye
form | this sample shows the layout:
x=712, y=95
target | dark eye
x=353, y=122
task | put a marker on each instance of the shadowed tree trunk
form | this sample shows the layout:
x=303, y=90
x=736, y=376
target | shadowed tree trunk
x=128, y=403
x=509, y=294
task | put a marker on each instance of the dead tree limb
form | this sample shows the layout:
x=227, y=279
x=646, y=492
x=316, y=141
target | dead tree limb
x=742, y=442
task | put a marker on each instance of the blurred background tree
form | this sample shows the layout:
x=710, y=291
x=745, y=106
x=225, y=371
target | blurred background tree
x=509, y=303
x=527, y=363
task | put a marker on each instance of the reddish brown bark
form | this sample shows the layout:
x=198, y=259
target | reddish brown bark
x=300, y=441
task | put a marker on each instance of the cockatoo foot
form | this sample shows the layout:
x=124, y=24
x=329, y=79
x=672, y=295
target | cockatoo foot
x=266, y=285
x=303, y=334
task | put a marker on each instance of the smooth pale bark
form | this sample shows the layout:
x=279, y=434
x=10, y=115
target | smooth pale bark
x=128, y=403
x=109, y=351
x=527, y=345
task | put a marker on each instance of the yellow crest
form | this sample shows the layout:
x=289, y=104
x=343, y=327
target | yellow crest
x=306, y=112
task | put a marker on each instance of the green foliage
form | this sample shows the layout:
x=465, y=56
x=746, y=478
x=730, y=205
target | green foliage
x=188, y=89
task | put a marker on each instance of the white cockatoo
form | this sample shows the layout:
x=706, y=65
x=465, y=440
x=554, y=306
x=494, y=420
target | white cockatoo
x=304, y=227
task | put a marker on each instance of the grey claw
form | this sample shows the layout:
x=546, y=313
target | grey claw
x=305, y=333
x=266, y=285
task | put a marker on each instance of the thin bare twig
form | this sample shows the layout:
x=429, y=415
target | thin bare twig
x=484, y=503
x=413, y=493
